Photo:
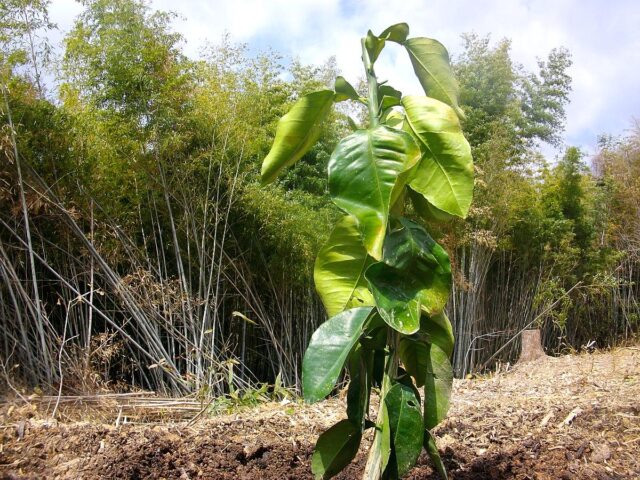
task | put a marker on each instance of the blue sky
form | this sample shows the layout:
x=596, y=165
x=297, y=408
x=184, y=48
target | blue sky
x=603, y=37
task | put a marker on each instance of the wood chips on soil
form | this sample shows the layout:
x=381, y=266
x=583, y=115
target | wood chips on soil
x=570, y=417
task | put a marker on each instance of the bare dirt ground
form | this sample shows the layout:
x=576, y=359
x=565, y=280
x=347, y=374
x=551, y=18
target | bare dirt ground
x=572, y=417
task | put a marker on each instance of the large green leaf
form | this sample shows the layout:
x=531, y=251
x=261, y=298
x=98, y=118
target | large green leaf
x=328, y=350
x=445, y=173
x=335, y=449
x=437, y=386
x=431, y=64
x=298, y=130
x=363, y=171
x=339, y=269
x=432, y=450
x=405, y=421
x=415, y=275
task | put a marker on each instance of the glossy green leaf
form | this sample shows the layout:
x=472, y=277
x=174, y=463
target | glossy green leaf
x=431, y=64
x=432, y=450
x=363, y=171
x=427, y=212
x=405, y=421
x=437, y=386
x=297, y=131
x=445, y=173
x=335, y=449
x=396, y=33
x=344, y=90
x=339, y=269
x=415, y=275
x=328, y=350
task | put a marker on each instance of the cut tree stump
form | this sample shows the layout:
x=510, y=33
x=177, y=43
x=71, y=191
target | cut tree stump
x=531, y=346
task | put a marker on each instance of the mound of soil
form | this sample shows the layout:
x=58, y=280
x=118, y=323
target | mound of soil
x=572, y=417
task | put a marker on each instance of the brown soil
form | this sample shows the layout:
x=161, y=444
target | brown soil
x=573, y=417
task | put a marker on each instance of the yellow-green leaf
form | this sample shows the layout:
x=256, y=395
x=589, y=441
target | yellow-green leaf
x=297, y=132
x=339, y=269
x=445, y=173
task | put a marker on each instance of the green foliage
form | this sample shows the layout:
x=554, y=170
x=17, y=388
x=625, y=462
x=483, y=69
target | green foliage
x=328, y=351
x=364, y=171
x=376, y=257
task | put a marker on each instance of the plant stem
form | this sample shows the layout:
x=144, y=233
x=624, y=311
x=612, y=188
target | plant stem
x=373, y=468
x=372, y=82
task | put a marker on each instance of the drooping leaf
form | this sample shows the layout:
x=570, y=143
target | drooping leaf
x=328, y=350
x=298, y=130
x=413, y=353
x=437, y=386
x=359, y=384
x=428, y=212
x=396, y=33
x=363, y=171
x=439, y=331
x=335, y=449
x=414, y=350
x=339, y=269
x=405, y=421
x=415, y=274
x=431, y=64
x=344, y=90
x=445, y=173
x=432, y=450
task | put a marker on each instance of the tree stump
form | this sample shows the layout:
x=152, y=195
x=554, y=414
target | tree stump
x=531, y=346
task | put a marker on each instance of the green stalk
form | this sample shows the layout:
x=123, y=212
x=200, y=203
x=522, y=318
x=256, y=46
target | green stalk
x=372, y=82
x=373, y=468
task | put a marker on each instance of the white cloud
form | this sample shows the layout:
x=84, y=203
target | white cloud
x=604, y=40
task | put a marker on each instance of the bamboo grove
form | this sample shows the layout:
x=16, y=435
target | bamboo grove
x=138, y=248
